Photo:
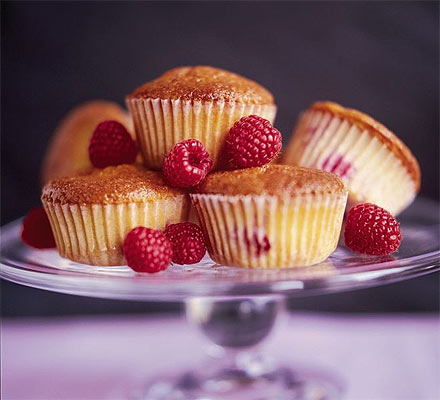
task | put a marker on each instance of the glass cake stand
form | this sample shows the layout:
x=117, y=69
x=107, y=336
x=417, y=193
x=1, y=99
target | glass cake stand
x=235, y=308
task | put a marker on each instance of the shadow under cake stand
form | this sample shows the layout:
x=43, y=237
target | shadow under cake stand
x=235, y=308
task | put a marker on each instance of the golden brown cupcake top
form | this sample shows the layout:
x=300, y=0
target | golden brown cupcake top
x=204, y=83
x=365, y=122
x=112, y=185
x=271, y=180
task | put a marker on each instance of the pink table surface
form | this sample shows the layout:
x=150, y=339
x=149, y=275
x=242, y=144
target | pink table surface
x=379, y=357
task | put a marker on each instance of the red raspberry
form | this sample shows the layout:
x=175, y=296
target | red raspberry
x=36, y=229
x=252, y=141
x=187, y=164
x=111, y=144
x=147, y=250
x=372, y=230
x=188, y=242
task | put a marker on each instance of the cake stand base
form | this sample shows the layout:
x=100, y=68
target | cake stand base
x=236, y=368
x=233, y=384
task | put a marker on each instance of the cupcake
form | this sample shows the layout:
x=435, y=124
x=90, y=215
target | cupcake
x=67, y=153
x=371, y=161
x=193, y=103
x=91, y=214
x=276, y=216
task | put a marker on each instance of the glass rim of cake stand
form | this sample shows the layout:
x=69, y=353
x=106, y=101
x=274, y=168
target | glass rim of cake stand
x=45, y=269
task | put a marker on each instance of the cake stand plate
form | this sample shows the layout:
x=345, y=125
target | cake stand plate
x=235, y=308
x=343, y=270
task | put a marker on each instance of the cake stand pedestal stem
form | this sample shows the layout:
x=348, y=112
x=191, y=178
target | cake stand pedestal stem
x=236, y=367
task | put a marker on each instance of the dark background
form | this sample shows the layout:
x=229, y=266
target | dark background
x=379, y=57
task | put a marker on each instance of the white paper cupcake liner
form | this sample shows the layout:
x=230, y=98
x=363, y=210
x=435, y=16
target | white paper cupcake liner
x=268, y=232
x=160, y=124
x=371, y=171
x=94, y=234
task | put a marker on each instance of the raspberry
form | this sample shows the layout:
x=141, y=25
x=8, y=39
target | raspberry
x=36, y=230
x=111, y=144
x=371, y=230
x=147, y=250
x=252, y=141
x=187, y=164
x=188, y=242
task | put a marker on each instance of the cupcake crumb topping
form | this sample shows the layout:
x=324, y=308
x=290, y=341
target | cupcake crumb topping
x=204, y=83
x=112, y=185
x=271, y=180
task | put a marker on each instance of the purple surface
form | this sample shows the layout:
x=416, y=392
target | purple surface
x=379, y=357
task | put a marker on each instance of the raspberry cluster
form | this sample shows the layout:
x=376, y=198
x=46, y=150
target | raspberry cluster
x=150, y=250
x=251, y=142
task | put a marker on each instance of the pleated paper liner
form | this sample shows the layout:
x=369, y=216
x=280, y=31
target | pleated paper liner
x=94, y=234
x=160, y=124
x=268, y=232
x=371, y=171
